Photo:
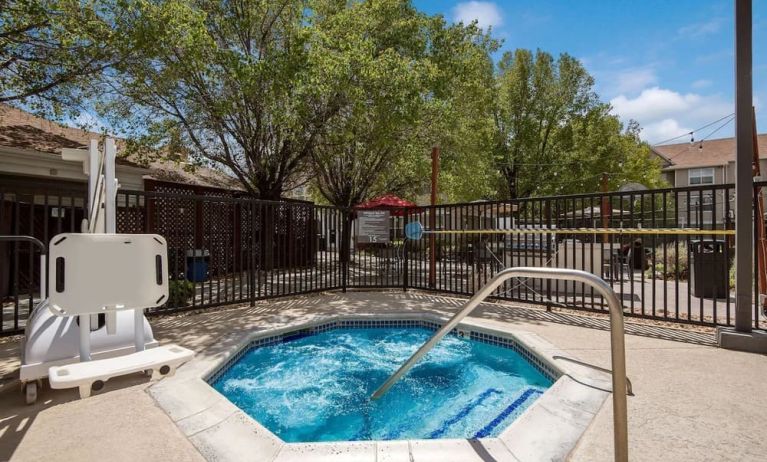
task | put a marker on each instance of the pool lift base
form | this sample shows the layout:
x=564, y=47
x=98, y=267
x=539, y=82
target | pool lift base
x=101, y=283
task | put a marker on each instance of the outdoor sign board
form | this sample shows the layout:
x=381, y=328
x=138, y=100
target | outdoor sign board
x=373, y=226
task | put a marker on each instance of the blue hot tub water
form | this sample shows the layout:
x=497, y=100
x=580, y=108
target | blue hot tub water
x=317, y=387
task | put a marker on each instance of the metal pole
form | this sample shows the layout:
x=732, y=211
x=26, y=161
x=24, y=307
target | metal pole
x=405, y=262
x=432, y=217
x=617, y=341
x=744, y=147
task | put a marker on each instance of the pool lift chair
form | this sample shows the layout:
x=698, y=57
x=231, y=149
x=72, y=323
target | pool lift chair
x=91, y=325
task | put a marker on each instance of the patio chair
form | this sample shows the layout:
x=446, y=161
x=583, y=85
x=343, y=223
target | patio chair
x=621, y=265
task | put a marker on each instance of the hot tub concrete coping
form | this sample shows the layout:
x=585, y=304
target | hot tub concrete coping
x=547, y=430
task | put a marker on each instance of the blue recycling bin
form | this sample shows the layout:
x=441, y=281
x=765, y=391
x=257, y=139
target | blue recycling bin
x=197, y=262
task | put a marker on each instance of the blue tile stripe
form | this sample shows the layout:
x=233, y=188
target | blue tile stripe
x=463, y=412
x=488, y=429
x=504, y=342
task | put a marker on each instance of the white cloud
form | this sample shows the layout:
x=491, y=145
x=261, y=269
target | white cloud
x=701, y=29
x=702, y=83
x=653, y=103
x=665, y=113
x=487, y=14
x=663, y=130
x=633, y=80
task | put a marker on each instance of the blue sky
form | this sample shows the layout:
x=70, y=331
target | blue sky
x=667, y=64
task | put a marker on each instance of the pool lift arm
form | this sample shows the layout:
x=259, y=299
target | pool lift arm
x=617, y=341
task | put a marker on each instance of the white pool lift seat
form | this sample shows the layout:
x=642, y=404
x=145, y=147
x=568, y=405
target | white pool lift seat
x=103, y=273
x=90, y=324
x=91, y=375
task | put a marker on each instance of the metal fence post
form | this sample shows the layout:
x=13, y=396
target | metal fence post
x=549, y=242
x=404, y=251
x=345, y=250
x=252, y=252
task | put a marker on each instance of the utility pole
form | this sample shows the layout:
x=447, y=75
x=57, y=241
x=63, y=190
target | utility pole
x=743, y=337
x=744, y=151
x=433, y=217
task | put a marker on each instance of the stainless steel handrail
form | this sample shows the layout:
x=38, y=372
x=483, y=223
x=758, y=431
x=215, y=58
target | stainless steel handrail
x=617, y=341
x=43, y=269
x=29, y=239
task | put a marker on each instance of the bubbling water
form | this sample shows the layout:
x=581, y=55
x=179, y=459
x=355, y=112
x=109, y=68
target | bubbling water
x=317, y=388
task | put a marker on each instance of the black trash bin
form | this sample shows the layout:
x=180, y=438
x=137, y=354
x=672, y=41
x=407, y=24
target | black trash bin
x=708, y=269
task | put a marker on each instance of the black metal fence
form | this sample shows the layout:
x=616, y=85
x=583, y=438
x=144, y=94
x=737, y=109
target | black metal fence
x=673, y=277
x=225, y=250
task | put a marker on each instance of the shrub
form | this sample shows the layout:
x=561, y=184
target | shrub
x=179, y=292
x=668, y=267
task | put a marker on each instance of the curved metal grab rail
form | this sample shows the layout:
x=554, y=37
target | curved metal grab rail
x=29, y=239
x=617, y=341
x=43, y=265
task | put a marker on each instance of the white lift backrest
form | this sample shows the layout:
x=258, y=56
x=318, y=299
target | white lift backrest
x=96, y=273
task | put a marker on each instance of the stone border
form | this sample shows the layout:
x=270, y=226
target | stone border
x=548, y=429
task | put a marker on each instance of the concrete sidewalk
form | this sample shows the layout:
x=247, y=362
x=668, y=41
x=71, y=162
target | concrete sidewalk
x=692, y=401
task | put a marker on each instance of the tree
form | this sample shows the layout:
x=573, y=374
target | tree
x=600, y=145
x=236, y=82
x=554, y=136
x=375, y=60
x=538, y=99
x=49, y=49
x=399, y=73
x=464, y=131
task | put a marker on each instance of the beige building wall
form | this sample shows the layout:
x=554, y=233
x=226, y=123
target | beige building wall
x=21, y=162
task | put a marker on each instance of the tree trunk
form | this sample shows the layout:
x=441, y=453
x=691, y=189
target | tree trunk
x=510, y=174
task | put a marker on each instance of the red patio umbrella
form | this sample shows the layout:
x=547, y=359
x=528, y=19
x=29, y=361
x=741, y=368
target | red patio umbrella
x=391, y=202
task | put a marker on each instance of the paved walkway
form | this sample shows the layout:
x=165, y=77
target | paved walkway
x=692, y=401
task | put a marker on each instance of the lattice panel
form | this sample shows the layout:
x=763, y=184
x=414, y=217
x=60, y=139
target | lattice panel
x=218, y=221
x=175, y=219
x=250, y=224
x=131, y=214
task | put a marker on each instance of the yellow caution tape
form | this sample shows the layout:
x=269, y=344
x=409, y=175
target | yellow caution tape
x=654, y=231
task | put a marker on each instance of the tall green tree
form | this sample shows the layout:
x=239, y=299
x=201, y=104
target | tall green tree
x=600, y=146
x=464, y=131
x=553, y=134
x=402, y=76
x=50, y=49
x=538, y=100
x=235, y=82
x=375, y=61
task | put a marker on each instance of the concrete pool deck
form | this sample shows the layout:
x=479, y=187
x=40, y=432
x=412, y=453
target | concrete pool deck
x=692, y=401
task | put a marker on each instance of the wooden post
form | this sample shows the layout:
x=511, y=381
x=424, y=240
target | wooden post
x=744, y=180
x=761, y=247
x=433, y=217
